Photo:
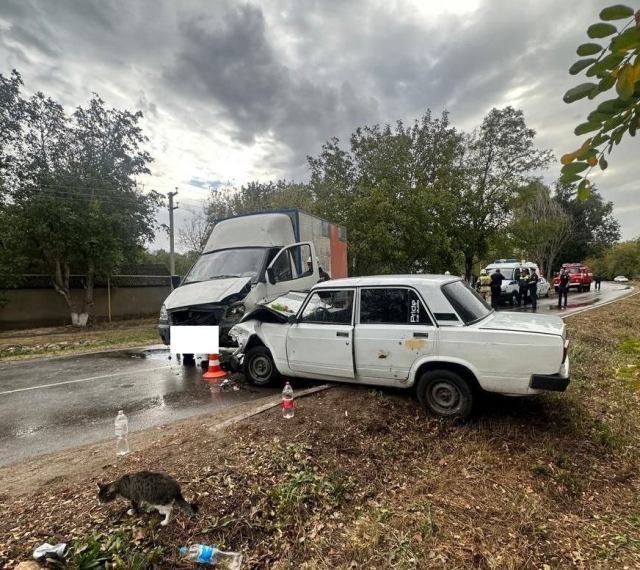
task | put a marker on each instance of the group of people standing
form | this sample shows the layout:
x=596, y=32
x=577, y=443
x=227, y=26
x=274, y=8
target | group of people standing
x=528, y=286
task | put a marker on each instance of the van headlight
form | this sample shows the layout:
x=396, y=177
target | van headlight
x=236, y=311
x=164, y=316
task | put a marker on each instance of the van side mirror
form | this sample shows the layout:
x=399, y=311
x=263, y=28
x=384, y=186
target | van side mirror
x=292, y=319
x=271, y=276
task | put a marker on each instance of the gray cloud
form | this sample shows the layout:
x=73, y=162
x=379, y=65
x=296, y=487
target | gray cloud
x=283, y=76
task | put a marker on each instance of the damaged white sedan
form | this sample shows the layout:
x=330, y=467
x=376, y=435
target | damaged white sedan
x=432, y=333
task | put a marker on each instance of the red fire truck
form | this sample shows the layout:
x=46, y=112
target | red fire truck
x=580, y=277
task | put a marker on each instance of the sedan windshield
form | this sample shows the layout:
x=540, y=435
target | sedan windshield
x=468, y=304
x=245, y=262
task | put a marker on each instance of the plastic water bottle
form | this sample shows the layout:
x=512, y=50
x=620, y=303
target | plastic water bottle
x=287, y=401
x=204, y=554
x=122, y=432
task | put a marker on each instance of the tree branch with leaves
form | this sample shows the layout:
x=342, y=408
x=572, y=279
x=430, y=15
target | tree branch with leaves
x=616, y=64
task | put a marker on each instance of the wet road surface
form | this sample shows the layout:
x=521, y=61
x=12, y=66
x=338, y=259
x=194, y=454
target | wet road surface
x=576, y=302
x=48, y=405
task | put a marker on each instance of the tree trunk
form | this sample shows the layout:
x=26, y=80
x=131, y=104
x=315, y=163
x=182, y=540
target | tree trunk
x=60, y=281
x=468, y=265
x=87, y=302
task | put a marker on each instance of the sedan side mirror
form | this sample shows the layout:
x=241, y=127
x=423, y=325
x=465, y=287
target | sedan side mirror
x=292, y=319
x=271, y=276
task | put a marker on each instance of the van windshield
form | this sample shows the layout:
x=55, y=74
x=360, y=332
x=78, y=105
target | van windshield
x=507, y=272
x=244, y=262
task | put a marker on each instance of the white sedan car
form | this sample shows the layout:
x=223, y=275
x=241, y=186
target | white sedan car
x=543, y=287
x=620, y=279
x=431, y=333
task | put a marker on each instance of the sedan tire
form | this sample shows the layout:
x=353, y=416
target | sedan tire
x=445, y=394
x=259, y=368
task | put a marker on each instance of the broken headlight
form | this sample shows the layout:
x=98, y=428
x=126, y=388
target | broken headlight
x=235, y=311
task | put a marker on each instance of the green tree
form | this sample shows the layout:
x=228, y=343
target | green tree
x=74, y=201
x=613, y=63
x=11, y=113
x=391, y=190
x=500, y=158
x=541, y=226
x=594, y=227
x=256, y=197
x=621, y=259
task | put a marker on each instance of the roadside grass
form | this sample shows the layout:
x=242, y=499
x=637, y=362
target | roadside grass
x=362, y=478
x=19, y=345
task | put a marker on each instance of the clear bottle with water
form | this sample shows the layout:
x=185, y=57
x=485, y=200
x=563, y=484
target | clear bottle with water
x=204, y=554
x=122, y=433
x=287, y=401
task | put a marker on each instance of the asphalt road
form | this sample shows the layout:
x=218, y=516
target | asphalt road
x=53, y=404
x=609, y=291
x=48, y=405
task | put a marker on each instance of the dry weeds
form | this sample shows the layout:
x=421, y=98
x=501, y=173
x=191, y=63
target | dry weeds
x=361, y=478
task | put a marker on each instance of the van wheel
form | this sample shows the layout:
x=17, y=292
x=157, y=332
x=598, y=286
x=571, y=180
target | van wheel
x=514, y=299
x=445, y=394
x=188, y=360
x=259, y=368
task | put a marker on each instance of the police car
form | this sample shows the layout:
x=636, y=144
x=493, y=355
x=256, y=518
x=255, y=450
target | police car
x=511, y=270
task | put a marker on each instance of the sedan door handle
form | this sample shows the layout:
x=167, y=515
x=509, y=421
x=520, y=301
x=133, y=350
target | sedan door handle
x=420, y=335
x=339, y=333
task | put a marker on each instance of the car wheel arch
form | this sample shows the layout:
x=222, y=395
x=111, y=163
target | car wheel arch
x=458, y=368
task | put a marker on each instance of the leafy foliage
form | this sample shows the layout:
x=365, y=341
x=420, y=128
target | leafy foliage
x=541, y=225
x=391, y=190
x=621, y=259
x=500, y=158
x=594, y=228
x=73, y=200
x=111, y=552
x=617, y=64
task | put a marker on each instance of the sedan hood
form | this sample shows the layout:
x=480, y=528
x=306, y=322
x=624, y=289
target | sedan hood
x=213, y=291
x=524, y=322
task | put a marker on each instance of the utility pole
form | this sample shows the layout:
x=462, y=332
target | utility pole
x=172, y=263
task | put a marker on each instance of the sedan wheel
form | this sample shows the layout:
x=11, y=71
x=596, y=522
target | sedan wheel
x=445, y=394
x=259, y=368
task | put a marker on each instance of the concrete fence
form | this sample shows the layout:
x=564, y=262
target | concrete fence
x=35, y=303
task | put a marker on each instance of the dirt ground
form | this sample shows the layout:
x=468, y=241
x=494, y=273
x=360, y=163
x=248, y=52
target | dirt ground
x=363, y=478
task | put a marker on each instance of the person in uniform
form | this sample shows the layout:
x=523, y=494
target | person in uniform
x=523, y=287
x=533, y=289
x=484, y=284
x=563, y=287
x=496, y=288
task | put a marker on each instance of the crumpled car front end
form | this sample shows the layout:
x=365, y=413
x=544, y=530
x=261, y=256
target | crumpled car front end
x=240, y=335
x=272, y=315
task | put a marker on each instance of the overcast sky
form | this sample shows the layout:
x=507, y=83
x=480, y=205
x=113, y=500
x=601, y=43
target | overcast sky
x=234, y=91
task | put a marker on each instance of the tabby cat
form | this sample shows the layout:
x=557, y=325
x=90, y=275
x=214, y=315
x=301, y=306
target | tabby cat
x=156, y=489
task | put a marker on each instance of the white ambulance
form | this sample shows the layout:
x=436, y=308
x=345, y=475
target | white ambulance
x=511, y=270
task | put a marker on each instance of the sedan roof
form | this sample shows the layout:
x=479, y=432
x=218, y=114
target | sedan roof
x=377, y=280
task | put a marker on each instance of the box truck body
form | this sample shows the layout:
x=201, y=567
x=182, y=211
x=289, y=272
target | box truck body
x=250, y=259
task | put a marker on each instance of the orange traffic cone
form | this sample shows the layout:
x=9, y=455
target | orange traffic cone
x=214, y=372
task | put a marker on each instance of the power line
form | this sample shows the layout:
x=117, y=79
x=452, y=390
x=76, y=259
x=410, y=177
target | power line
x=53, y=192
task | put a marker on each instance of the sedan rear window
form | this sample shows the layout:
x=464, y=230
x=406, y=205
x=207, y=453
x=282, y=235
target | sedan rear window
x=467, y=303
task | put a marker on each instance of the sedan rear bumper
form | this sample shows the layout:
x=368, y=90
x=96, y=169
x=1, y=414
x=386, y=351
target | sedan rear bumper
x=552, y=382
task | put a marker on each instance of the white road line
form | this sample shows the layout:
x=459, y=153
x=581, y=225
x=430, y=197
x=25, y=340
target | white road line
x=82, y=380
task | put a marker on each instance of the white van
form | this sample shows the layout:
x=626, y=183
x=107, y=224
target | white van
x=511, y=270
